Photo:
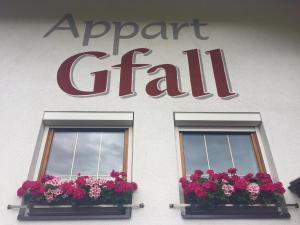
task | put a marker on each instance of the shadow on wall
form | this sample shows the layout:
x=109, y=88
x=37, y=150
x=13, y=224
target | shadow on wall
x=230, y=10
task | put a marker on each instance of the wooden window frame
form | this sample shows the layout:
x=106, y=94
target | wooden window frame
x=48, y=144
x=255, y=145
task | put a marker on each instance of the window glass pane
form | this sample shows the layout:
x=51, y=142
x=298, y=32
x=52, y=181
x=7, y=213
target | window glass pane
x=61, y=154
x=243, y=153
x=111, y=156
x=87, y=153
x=194, y=152
x=218, y=152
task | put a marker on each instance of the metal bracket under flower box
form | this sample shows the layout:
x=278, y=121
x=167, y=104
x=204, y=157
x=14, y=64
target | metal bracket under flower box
x=231, y=211
x=70, y=212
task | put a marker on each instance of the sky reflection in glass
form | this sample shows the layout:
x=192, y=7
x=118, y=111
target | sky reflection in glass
x=243, y=154
x=61, y=154
x=221, y=149
x=195, y=155
x=218, y=152
x=94, y=153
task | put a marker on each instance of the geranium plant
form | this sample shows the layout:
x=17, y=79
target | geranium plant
x=216, y=189
x=84, y=190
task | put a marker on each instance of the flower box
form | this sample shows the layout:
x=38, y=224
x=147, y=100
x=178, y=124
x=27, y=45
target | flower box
x=84, y=198
x=75, y=211
x=233, y=210
x=227, y=195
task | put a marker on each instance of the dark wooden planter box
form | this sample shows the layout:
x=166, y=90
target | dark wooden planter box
x=71, y=211
x=68, y=212
x=234, y=212
x=295, y=186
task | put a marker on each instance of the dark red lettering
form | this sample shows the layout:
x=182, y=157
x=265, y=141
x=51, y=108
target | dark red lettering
x=171, y=78
x=64, y=76
x=126, y=73
x=196, y=79
x=220, y=74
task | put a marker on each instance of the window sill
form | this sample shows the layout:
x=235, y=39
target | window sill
x=75, y=213
x=234, y=212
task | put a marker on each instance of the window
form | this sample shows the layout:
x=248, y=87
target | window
x=219, y=141
x=88, y=151
x=220, y=151
x=89, y=143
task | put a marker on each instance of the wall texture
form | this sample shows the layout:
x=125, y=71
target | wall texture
x=261, y=42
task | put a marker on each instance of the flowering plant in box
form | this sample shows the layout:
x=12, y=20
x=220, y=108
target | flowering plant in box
x=84, y=190
x=229, y=188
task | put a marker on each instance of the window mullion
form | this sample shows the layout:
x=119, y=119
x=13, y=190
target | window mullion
x=99, y=155
x=74, y=153
x=230, y=150
x=207, y=158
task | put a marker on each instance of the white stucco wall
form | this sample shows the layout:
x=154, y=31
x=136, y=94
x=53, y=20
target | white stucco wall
x=261, y=42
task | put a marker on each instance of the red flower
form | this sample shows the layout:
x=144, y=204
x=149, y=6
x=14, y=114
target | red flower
x=45, y=178
x=21, y=191
x=182, y=180
x=241, y=184
x=133, y=186
x=123, y=174
x=210, y=172
x=198, y=172
x=68, y=187
x=223, y=176
x=36, y=188
x=194, y=177
x=81, y=180
x=235, y=178
x=79, y=193
x=37, y=191
x=232, y=170
x=114, y=174
x=278, y=187
x=248, y=176
x=209, y=185
x=200, y=192
x=110, y=184
x=266, y=187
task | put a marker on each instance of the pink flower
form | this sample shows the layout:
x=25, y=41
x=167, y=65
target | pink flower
x=45, y=178
x=253, y=197
x=227, y=189
x=49, y=198
x=253, y=188
x=91, y=181
x=55, y=181
x=95, y=192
